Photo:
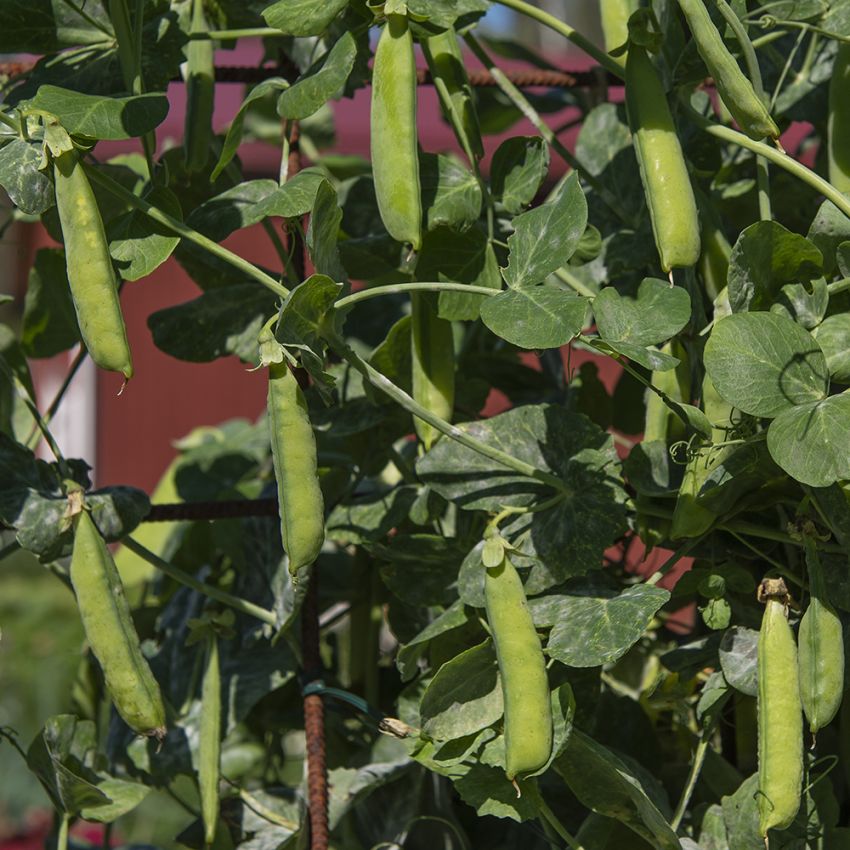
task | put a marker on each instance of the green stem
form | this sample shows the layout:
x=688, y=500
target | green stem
x=230, y=35
x=62, y=835
x=801, y=25
x=565, y=275
x=453, y=432
x=550, y=818
x=778, y=157
x=417, y=286
x=186, y=232
x=769, y=38
x=693, y=777
x=9, y=549
x=513, y=510
x=568, y=32
x=263, y=811
x=9, y=122
x=87, y=17
x=674, y=559
x=235, y=602
x=518, y=99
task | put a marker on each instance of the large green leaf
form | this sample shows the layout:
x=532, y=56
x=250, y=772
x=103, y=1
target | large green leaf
x=520, y=165
x=451, y=196
x=293, y=199
x=50, y=323
x=738, y=654
x=235, y=208
x=833, y=336
x=28, y=187
x=303, y=17
x=535, y=317
x=593, y=630
x=45, y=26
x=98, y=117
x=763, y=363
x=810, y=441
x=323, y=233
x=545, y=237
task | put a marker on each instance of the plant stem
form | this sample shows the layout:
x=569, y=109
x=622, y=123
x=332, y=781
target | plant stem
x=550, y=818
x=62, y=834
x=418, y=286
x=693, y=777
x=186, y=232
x=230, y=35
x=263, y=811
x=453, y=432
x=674, y=559
x=568, y=32
x=778, y=157
x=565, y=275
x=235, y=602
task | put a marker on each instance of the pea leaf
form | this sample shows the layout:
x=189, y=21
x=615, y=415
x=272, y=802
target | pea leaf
x=488, y=792
x=604, y=783
x=321, y=83
x=765, y=257
x=323, y=233
x=464, y=695
x=50, y=323
x=828, y=230
x=443, y=13
x=302, y=17
x=519, y=167
x=810, y=441
x=97, y=117
x=547, y=236
x=371, y=517
x=833, y=336
x=29, y=188
x=764, y=364
x=657, y=313
x=593, y=630
x=451, y=196
x=221, y=321
x=739, y=659
x=535, y=317
x=45, y=26
x=235, y=208
x=408, y=656
x=295, y=198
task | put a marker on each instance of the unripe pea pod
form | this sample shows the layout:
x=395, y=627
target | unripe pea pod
x=433, y=363
x=445, y=61
x=664, y=174
x=110, y=632
x=615, y=16
x=209, y=750
x=394, y=141
x=200, y=92
x=300, y=503
x=660, y=423
x=838, y=126
x=735, y=90
x=91, y=275
x=522, y=669
x=780, y=714
x=821, y=641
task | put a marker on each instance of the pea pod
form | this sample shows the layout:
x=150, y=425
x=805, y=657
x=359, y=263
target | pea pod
x=110, y=632
x=300, y=503
x=838, y=126
x=91, y=275
x=209, y=750
x=200, y=92
x=615, y=16
x=735, y=90
x=522, y=668
x=445, y=62
x=664, y=174
x=660, y=423
x=821, y=640
x=432, y=349
x=394, y=142
x=780, y=714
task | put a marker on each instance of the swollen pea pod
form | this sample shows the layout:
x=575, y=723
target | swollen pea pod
x=522, y=668
x=91, y=275
x=394, y=141
x=433, y=363
x=445, y=62
x=780, y=713
x=110, y=632
x=821, y=640
x=209, y=750
x=200, y=92
x=615, y=16
x=300, y=503
x=735, y=90
x=664, y=174
x=838, y=127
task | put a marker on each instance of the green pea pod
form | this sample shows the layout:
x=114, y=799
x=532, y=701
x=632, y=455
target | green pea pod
x=660, y=422
x=395, y=152
x=433, y=363
x=838, y=134
x=664, y=174
x=110, y=632
x=522, y=668
x=615, y=16
x=300, y=503
x=209, y=749
x=821, y=642
x=445, y=62
x=780, y=714
x=91, y=275
x=200, y=93
x=714, y=259
x=735, y=90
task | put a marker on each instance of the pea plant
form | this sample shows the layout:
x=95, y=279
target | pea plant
x=395, y=612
